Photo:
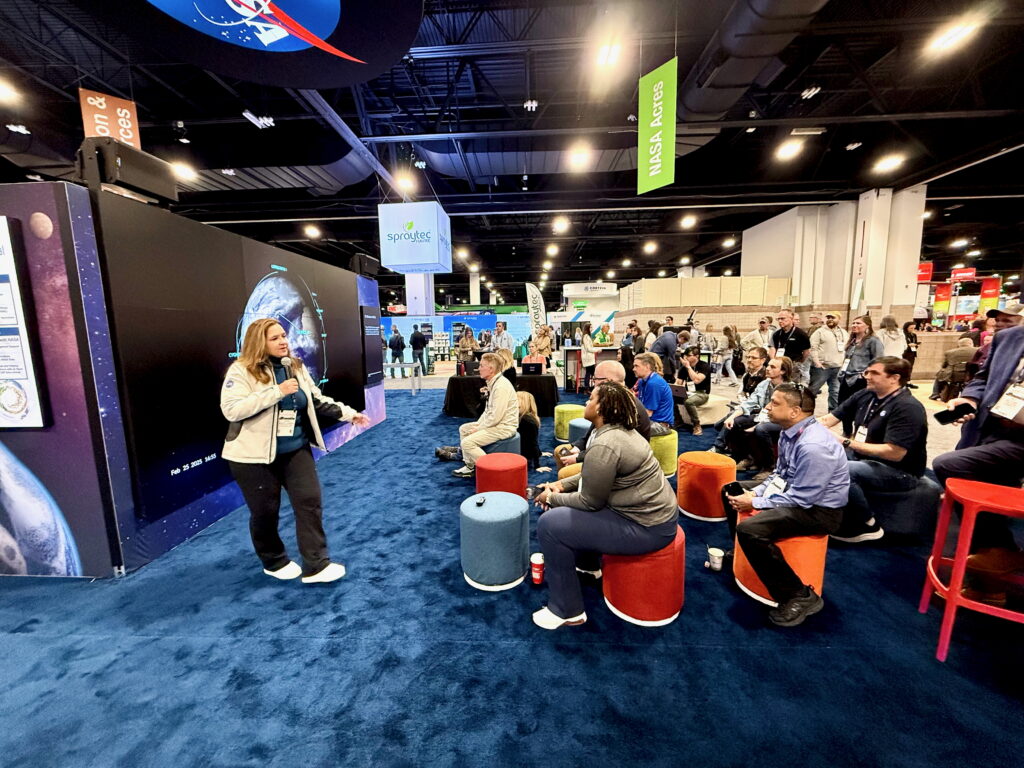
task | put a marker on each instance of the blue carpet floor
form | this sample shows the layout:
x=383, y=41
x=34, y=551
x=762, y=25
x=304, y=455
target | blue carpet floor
x=199, y=659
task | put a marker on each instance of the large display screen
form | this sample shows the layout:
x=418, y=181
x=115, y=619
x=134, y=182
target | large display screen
x=181, y=295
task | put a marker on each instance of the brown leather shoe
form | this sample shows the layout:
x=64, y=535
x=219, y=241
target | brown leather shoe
x=995, y=561
x=995, y=598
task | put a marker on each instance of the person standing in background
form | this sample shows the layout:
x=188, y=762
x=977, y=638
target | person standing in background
x=759, y=337
x=894, y=343
x=861, y=348
x=502, y=338
x=588, y=357
x=827, y=354
x=730, y=351
x=418, y=342
x=543, y=342
x=910, y=353
x=791, y=341
x=397, y=346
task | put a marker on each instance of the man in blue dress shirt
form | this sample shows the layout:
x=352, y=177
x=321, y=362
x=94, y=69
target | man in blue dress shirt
x=804, y=496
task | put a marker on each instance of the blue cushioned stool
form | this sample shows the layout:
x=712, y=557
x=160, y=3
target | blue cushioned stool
x=494, y=540
x=508, y=445
x=577, y=429
x=907, y=513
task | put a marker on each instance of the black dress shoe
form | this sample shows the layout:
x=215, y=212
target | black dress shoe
x=796, y=609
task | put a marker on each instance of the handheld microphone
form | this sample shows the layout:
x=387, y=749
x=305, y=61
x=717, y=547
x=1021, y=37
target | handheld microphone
x=287, y=363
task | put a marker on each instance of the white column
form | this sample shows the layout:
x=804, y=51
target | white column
x=419, y=294
x=492, y=297
x=870, y=245
x=906, y=230
x=474, y=287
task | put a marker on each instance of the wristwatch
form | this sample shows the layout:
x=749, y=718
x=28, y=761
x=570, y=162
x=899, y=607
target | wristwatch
x=846, y=442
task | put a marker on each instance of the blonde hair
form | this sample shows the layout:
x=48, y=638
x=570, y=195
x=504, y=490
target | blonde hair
x=494, y=360
x=253, y=355
x=507, y=361
x=651, y=360
x=527, y=406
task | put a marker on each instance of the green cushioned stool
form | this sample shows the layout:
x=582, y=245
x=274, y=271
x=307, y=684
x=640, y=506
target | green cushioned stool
x=666, y=451
x=564, y=413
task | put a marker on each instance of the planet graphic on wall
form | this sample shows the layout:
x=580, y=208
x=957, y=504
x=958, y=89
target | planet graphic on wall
x=289, y=300
x=34, y=537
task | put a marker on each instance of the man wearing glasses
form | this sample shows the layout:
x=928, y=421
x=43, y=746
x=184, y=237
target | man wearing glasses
x=793, y=342
x=828, y=345
x=804, y=496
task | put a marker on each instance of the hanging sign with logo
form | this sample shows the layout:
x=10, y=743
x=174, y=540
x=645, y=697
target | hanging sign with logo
x=989, y=294
x=110, y=117
x=656, y=121
x=415, y=238
x=286, y=43
x=924, y=271
x=943, y=293
x=967, y=273
x=535, y=306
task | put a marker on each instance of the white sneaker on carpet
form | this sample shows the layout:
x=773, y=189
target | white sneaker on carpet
x=464, y=471
x=593, y=574
x=332, y=572
x=545, y=619
x=286, y=572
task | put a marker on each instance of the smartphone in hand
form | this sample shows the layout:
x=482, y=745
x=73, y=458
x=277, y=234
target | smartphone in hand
x=948, y=417
x=734, y=489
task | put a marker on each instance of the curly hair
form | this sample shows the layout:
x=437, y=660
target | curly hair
x=617, y=405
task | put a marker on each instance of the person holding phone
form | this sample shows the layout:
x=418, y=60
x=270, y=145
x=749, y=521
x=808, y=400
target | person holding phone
x=888, y=450
x=272, y=404
x=991, y=450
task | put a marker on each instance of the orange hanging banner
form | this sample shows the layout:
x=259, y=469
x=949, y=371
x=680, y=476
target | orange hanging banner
x=109, y=116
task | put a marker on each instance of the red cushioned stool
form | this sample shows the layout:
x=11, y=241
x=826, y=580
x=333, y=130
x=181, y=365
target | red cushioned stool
x=975, y=497
x=805, y=555
x=647, y=589
x=501, y=472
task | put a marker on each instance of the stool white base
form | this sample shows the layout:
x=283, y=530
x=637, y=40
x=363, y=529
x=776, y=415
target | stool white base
x=494, y=587
x=641, y=622
x=751, y=593
x=701, y=517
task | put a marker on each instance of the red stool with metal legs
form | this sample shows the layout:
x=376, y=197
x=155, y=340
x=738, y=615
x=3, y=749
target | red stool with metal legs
x=975, y=497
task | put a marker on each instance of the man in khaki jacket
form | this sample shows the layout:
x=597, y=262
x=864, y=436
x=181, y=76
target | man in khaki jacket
x=500, y=419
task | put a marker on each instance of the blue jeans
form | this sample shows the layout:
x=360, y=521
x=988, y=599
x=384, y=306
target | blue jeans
x=418, y=357
x=830, y=376
x=868, y=475
x=396, y=357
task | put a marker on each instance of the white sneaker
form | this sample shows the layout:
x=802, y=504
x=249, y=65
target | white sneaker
x=286, y=572
x=593, y=574
x=545, y=619
x=332, y=572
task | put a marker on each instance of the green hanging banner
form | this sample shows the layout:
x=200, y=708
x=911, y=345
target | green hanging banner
x=656, y=144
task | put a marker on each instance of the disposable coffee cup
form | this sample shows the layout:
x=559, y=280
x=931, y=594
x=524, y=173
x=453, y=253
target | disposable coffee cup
x=715, y=557
x=537, y=567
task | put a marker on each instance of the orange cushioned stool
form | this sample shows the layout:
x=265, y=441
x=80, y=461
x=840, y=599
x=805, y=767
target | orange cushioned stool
x=805, y=555
x=501, y=472
x=699, y=480
x=647, y=589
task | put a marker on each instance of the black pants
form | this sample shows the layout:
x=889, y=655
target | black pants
x=846, y=391
x=588, y=373
x=757, y=535
x=261, y=487
x=998, y=459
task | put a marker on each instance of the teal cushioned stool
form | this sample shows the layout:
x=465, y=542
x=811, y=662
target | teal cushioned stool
x=564, y=413
x=494, y=540
x=508, y=445
x=666, y=451
x=577, y=429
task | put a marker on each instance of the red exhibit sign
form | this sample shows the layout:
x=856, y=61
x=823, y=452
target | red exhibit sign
x=924, y=271
x=942, y=296
x=966, y=273
x=989, y=294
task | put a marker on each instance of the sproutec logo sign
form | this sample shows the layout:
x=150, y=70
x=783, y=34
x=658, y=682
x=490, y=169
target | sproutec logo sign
x=410, y=234
x=279, y=26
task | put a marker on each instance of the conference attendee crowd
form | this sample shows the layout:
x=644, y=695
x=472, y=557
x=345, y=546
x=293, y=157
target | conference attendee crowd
x=812, y=476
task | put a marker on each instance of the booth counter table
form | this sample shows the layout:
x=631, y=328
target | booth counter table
x=462, y=397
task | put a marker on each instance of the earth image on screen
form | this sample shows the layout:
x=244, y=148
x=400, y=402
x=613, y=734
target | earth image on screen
x=290, y=301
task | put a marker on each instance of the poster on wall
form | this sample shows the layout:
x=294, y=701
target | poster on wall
x=21, y=402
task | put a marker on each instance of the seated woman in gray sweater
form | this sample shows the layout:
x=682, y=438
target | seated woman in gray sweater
x=619, y=504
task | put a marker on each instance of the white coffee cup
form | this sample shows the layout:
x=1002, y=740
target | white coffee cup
x=715, y=557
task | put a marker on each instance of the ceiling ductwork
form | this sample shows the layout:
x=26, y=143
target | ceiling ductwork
x=753, y=33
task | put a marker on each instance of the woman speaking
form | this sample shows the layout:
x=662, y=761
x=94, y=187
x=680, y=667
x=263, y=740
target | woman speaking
x=272, y=404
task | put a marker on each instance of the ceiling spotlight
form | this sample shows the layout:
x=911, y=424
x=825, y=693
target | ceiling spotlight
x=474, y=267
x=853, y=145
x=421, y=164
x=547, y=265
x=627, y=262
x=685, y=260
x=560, y=225
x=229, y=171
x=958, y=266
x=661, y=273
x=689, y=221
x=440, y=290
x=960, y=242
x=530, y=105
x=599, y=280
x=1013, y=277
x=889, y=163
x=789, y=149
x=489, y=284
x=810, y=93
x=729, y=242
x=33, y=177
x=462, y=253
x=974, y=252
x=8, y=93
x=650, y=247
x=631, y=118
x=259, y=122
x=18, y=128
x=953, y=35
x=927, y=215
x=483, y=278
x=184, y=171
x=751, y=129
x=608, y=55
x=405, y=182
x=580, y=157
x=312, y=231
x=551, y=250
x=610, y=273
x=728, y=273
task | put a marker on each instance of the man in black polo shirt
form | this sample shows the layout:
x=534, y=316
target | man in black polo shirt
x=695, y=375
x=888, y=448
x=792, y=342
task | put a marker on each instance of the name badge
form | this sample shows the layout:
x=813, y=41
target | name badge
x=862, y=435
x=775, y=485
x=846, y=364
x=780, y=352
x=690, y=387
x=286, y=423
x=1011, y=405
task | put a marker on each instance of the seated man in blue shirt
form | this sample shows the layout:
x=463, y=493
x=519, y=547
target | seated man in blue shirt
x=654, y=392
x=804, y=496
